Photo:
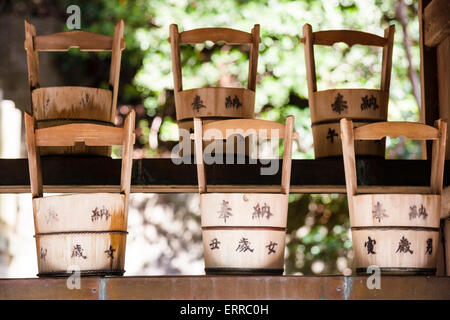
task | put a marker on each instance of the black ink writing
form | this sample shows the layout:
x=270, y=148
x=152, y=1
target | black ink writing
x=339, y=104
x=414, y=213
x=98, y=214
x=197, y=103
x=77, y=252
x=214, y=244
x=260, y=212
x=232, y=103
x=51, y=216
x=404, y=246
x=429, y=246
x=271, y=247
x=225, y=211
x=378, y=212
x=110, y=252
x=244, y=246
x=369, y=103
x=43, y=253
x=369, y=244
x=331, y=134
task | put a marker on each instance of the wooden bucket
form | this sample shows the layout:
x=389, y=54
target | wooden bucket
x=244, y=233
x=213, y=103
x=91, y=241
x=85, y=233
x=54, y=106
x=399, y=233
x=362, y=105
x=63, y=105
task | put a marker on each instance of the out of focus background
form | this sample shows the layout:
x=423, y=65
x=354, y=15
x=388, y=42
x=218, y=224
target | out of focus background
x=164, y=229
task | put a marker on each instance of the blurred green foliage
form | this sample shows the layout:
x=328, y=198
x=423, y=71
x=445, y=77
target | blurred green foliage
x=318, y=225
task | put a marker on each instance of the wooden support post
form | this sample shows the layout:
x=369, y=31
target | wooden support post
x=310, y=63
x=198, y=143
x=253, y=59
x=34, y=159
x=435, y=82
x=116, y=58
x=348, y=152
x=127, y=157
x=287, y=156
x=176, y=59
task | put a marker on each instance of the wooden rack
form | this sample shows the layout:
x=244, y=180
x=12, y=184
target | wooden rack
x=65, y=174
x=228, y=288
